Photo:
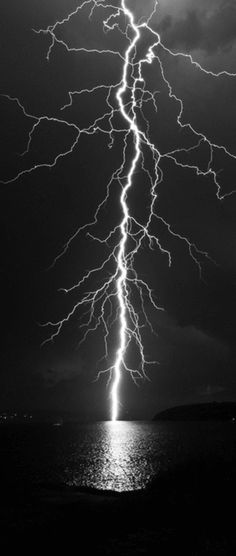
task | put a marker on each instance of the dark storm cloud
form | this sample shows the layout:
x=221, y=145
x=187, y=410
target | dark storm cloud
x=62, y=371
x=187, y=32
x=187, y=342
x=202, y=29
x=195, y=338
x=212, y=390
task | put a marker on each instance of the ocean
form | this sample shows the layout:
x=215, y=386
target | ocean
x=121, y=456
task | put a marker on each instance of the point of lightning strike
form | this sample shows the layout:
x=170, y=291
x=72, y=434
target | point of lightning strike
x=111, y=303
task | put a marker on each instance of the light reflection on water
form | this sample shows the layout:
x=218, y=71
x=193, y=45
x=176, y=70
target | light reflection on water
x=126, y=455
x=117, y=457
x=120, y=456
x=123, y=465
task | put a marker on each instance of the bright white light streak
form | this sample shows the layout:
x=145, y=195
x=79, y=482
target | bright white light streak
x=122, y=265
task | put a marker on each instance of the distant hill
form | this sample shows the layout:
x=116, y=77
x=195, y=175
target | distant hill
x=199, y=412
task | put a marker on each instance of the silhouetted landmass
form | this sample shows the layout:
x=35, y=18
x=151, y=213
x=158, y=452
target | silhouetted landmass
x=222, y=411
x=27, y=417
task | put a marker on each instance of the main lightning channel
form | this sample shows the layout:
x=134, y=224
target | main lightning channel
x=121, y=284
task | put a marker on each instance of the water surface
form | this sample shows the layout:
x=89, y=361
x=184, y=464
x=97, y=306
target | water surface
x=119, y=456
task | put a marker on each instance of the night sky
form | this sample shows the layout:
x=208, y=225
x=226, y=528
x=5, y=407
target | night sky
x=195, y=345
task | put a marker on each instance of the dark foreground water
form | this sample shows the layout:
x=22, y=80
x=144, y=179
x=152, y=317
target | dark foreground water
x=119, y=456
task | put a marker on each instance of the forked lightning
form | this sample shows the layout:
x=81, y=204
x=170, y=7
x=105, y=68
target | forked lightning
x=111, y=303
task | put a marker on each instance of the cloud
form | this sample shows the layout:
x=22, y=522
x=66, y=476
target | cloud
x=212, y=390
x=62, y=370
x=189, y=340
x=189, y=343
x=186, y=33
x=199, y=28
x=141, y=9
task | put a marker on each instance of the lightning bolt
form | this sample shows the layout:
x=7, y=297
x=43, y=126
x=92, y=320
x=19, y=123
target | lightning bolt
x=112, y=303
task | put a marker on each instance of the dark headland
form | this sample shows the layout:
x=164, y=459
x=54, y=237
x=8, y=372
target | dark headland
x=215, y=411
